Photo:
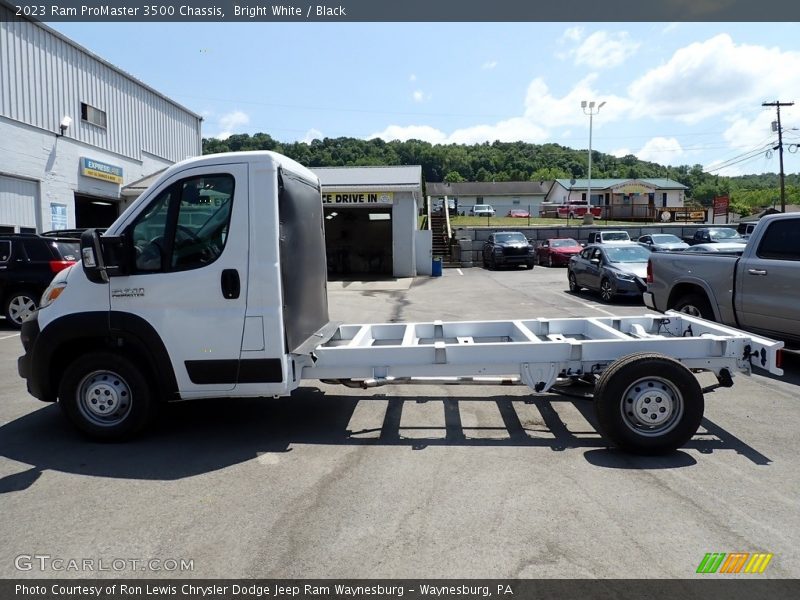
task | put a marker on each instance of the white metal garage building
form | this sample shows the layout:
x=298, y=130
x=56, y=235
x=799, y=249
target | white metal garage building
x=74, y=129
x=371, y=221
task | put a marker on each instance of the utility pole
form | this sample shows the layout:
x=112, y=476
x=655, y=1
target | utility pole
x=777, y=106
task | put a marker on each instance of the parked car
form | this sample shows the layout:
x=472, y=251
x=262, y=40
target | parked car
x=719, y=247
x=28, y=262
x=482, y=210
x=745, y=229
x=713, y=235
x=756, y=290
x=557, y=251
x=612, y=269
x=602, y=237
x=659, y=242
x=452, y=208
x=507, y=248
x=578, y=209
x=518, y=213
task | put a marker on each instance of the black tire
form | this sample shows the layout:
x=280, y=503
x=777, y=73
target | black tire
x=19, y=304
x=485, y=264
x=550, y=261
x=695, y=305
x=119, y=387
x=492, y=263
x=573, y=283
x=606, y=291
x=648, y=403
x=529, y=265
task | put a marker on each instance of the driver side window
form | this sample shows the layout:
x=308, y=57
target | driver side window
x=186, y=226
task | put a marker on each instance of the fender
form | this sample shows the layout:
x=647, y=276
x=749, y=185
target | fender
x=49, y=350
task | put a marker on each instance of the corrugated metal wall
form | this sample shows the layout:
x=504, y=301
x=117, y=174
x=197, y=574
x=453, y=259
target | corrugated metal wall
x=44, y=78
x=18, y=201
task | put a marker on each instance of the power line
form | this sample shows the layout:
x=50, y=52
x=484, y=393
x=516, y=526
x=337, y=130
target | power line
x=777, y=104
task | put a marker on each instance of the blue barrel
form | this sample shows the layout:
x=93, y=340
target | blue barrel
x=436, y=268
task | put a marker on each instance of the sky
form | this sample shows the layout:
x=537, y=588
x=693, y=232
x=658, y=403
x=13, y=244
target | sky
x=674, y=93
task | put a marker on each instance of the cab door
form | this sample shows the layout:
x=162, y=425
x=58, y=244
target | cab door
x=767, y=290
x=189, y=274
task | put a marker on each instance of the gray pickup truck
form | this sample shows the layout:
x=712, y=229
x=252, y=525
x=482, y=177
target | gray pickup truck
x=758, y=291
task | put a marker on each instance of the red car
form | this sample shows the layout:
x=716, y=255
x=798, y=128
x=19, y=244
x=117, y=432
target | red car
x=518, y=213
x=578, y=209
x=557, y=251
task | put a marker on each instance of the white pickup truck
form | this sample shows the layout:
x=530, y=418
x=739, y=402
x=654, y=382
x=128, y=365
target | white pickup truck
x=757, y=291
x=213, y=284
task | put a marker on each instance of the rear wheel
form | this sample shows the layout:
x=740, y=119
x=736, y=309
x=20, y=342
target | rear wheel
x=106, y=396
x=529, y=264
x=573, y=283
x=648, y=403
x=550, y=261
x=19, y=306
x=695, y=305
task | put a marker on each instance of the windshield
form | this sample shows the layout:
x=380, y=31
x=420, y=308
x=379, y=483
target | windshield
x=628, y=254
x=565, y=243
x=511, y=237
x=615, y=236
x=666, y=238
x=723, y=234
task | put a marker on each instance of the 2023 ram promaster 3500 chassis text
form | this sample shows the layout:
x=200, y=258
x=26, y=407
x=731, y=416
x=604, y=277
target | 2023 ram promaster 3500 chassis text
x=213, y=284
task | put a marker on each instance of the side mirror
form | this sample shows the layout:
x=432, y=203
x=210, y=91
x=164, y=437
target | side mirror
x=103, y=256
x=595, y=261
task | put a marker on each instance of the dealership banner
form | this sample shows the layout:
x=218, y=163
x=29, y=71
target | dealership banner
x=412, y=589
x=407, y=11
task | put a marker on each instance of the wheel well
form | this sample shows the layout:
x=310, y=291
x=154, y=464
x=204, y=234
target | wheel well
x=69, y=351
x=683, y=289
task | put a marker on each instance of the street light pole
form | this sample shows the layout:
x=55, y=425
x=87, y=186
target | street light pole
x=589, y=109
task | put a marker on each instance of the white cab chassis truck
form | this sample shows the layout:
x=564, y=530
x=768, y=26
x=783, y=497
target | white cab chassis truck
x=213, y=284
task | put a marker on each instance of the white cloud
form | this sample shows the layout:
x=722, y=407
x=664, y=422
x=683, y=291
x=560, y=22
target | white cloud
x=542, y=111
x=311, y=135
x=572, y=34
x=665, y=151
x=717, y=76
x=412, y=77
x=231, y=121
x=621, y=152
x=411, y=132
x=418, y=96
x=603, y=49
x=489, y=64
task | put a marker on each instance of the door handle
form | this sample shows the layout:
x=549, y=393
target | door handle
x=757, y=271
x=231, y=286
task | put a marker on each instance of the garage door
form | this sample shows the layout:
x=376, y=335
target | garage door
x=358, y=241
x=19, y=202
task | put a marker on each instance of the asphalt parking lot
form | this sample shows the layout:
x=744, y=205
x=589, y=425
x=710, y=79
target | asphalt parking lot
x=421, y=481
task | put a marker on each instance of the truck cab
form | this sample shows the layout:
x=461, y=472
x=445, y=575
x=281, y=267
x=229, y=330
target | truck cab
x=214, y=245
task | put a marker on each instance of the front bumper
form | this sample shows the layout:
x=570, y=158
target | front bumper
x=29, y=335
x=516, y=259
x=623, y=287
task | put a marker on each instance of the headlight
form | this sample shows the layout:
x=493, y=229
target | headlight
x=624, y=276
x=55, y=289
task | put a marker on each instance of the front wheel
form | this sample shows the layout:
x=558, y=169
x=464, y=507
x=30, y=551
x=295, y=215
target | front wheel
x=648, y=403
x=606, y=291
x=529, y=265
x=106, y=396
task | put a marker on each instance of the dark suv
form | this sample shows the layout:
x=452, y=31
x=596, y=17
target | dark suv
x=28, y=262
x=507, y=248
